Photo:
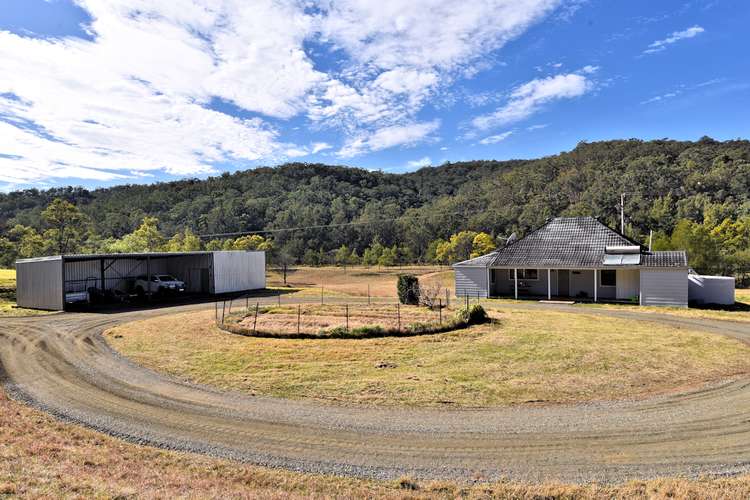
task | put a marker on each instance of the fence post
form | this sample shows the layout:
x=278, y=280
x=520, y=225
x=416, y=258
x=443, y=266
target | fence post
x=230, y=305
x=247, y=303
x=467, y=300
x=447, y=297
x=321, y=295
x=223, y=306
x=278, y=296
x=368, y=294
x=440, y=310
x=216, y=312
x=347, y=317
x=255, y=321
x=299, y=308
x=398, y=313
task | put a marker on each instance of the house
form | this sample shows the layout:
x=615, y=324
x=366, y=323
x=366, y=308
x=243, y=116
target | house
x=581, y=258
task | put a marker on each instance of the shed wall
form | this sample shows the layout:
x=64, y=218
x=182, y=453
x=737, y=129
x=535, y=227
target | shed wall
x=239, y=271
x=664, y=287
x=470, y=281
x=39, y=284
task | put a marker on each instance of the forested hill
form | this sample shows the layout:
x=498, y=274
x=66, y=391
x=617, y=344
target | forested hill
x=706, y=182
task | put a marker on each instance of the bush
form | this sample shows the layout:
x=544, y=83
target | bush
x=473, y=315
x=408, y=289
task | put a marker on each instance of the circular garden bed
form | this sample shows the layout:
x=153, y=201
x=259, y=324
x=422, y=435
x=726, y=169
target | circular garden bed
x=348, y=320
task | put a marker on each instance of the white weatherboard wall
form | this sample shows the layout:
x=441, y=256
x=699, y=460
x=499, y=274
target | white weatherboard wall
x=39, y=283
x=662, y=287
x=471, y=281
x=628, y=283
x=711, y=289
x=239, y=271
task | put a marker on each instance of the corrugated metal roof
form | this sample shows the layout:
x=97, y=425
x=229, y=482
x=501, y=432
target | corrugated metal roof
x=138, y=255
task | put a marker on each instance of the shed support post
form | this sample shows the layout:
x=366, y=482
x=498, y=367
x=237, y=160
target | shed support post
x=101, y=275
x=515, y=283
x=549, y=284
x=596, y=286
x=148, y=282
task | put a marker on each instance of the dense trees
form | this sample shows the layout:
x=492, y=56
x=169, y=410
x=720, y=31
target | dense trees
x=386, y=218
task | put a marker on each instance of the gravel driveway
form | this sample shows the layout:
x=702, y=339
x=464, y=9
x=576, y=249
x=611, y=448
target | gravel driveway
x=61, y=364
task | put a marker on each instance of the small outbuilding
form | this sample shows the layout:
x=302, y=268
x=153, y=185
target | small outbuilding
x=53, y=283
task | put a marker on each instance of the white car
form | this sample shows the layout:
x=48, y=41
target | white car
x=160, y=284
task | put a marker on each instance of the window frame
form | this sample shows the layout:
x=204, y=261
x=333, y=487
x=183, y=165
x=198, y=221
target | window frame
x=522, y=274
x=601, y=278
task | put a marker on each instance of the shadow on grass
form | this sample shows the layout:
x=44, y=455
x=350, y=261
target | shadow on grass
x=736, y=307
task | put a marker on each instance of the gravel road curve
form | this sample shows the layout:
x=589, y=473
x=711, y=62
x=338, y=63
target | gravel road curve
x=61, y=364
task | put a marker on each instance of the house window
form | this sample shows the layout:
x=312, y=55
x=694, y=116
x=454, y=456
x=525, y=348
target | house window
x=525, y=274
x=608, y=277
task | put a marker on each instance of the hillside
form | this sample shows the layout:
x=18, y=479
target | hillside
x=665, y=181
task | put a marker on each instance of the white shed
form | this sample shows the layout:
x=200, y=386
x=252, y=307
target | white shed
x=50, y=282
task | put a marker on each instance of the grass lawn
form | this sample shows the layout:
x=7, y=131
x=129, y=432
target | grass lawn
x=41, y=457
x=8, y=296
x=355, y=280
x=540, y=356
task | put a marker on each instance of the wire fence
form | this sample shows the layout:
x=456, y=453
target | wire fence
x=287, y=315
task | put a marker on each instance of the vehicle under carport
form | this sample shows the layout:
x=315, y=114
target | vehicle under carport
x=59, y=282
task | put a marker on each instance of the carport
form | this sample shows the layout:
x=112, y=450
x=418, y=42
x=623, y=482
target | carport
x=53, y=283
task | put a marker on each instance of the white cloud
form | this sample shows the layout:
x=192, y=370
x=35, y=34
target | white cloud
x=494, y=139
x=660, y=45
x=136, y=99
x=387, y=137
x=317, y=147
x=537, y=127
x=527, y=99
x=422, y=162
x=662, y=97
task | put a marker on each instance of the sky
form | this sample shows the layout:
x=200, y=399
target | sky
x=104, y=92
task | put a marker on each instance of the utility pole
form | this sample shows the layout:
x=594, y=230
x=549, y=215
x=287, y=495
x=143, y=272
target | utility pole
x=622, y=213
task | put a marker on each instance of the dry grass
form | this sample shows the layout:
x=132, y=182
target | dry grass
x=354, y=280
x=314, y=318
x=41, y=457
x=530, y=356
x=739, y=312
x=8, y=296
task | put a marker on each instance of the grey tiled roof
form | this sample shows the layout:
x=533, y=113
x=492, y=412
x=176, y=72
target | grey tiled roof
x=664, y=259
x=573, y=242
x=570, y=243
x=481, y=261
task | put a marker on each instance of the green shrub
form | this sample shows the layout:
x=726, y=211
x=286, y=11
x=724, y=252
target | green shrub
x=408, y=289
x=369, y=331
x=473, y=315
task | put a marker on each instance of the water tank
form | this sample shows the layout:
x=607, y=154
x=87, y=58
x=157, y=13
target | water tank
x=710, y=289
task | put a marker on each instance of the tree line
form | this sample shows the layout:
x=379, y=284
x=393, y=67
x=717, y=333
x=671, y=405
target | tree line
x=692, y=195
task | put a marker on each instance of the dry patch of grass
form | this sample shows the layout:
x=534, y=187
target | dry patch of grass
x=41, y=457
x=355, y=280
x=8, y=296
x=313, y=319
x=544, y=356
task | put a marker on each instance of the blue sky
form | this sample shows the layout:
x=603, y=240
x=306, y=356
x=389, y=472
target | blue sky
x=99, y=93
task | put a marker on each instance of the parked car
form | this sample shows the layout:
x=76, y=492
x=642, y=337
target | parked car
x=160, y=284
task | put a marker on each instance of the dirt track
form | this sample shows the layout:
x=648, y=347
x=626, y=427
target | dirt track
x=61, y=364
